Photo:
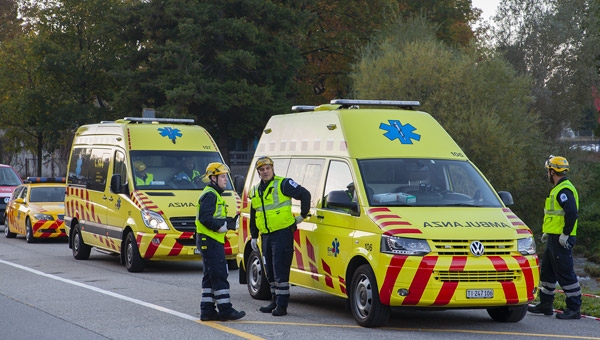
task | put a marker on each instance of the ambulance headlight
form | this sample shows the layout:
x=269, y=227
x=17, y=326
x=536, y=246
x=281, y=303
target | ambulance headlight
x=404, y=246
x=526, y=246
x=154, y=220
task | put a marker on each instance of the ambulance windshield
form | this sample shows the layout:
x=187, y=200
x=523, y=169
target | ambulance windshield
x=425, y=182
x=172, y=170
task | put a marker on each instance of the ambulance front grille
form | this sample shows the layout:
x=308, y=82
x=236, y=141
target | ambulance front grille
x=477, y=276
x=184, y=224
x=462, y=247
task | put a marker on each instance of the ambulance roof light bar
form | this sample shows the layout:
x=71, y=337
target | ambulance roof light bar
x=347, y=103
x=303, y=108
x=158, y=120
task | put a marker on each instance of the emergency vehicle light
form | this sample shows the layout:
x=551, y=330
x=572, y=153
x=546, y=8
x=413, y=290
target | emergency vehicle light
x=45, y=180
x=303, y=108
x=158, y=120
x=346, y=103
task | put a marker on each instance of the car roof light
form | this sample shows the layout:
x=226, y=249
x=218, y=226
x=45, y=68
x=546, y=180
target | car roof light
x=46, y=180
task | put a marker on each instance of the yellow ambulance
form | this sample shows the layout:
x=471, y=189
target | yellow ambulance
x=132, y=189
x=399, y=218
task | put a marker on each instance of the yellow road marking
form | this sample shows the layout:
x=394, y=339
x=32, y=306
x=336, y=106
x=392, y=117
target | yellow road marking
x=221, y=327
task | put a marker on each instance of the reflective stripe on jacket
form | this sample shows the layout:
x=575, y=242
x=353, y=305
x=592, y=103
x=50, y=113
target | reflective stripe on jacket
x=273, y=208
x=220, y=212
x=554, y=215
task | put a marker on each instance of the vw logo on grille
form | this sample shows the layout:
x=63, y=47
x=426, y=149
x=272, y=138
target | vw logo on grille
x=477, y=248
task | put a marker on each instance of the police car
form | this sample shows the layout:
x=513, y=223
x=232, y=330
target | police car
x=36, y=209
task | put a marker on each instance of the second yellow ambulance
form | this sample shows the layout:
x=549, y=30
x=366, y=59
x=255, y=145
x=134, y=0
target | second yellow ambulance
x=399, y=218
x=130, y=190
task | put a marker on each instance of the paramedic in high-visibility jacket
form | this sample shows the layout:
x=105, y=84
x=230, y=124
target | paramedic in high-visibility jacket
x=271, y=215
x=212, y=224
x=559, y=230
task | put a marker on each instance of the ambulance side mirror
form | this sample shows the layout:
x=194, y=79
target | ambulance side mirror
x=238, y=184
x=115, y=184
x=340, y=199
x=506, y=197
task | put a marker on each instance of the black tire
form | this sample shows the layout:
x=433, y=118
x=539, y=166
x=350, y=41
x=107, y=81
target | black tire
x=133, y=260
x=364, y=299
x=81, y=251
x=257, y=283
x=508, y=314
x=29, y=232
x=7, y=231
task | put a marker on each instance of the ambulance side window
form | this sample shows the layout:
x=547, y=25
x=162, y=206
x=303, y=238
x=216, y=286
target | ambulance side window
x=339, y=178
x=307, y=172
x=120, y=167
x=79, y=167
x=100, y=159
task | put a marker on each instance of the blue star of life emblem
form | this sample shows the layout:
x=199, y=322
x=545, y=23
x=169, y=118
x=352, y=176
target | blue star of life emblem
x=404, y=133
x=171, y=133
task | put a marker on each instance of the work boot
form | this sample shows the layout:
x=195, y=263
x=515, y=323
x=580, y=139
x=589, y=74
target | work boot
x=211, y=316
x=541, y=308
x=279, y=311
x=269, y=308
x=234, y=315
x=569, y=315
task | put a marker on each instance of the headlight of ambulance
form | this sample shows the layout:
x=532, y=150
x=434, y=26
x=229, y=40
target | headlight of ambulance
x=526, y=246
x=404, y=246
x=154, y=220
x=44, y=217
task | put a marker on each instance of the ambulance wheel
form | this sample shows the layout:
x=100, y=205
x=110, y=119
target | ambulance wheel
x=364, y=299
x=7, y=231
x=508, y=314
x=133, y=260
x=258, y=286
x=29, y=232
x=81, y=251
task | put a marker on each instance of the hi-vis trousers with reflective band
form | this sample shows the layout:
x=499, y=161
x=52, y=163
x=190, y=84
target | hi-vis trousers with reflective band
x=557, y=266
x=278, y=251
x=215, y=287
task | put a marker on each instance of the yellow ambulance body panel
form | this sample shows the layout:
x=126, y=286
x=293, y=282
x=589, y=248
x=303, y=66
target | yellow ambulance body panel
x=399, y=216
x=108, y=208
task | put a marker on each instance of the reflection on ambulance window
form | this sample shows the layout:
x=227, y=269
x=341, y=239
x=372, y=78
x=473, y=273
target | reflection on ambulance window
x=172, y=170
x=425, y=182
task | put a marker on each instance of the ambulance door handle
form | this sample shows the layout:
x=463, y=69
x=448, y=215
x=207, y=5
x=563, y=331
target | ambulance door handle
x=320, y=216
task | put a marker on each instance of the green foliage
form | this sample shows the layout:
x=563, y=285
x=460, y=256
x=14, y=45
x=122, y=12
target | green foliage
x=229, y=64
x=481, y=102
x=538, y=38
x=588, y=238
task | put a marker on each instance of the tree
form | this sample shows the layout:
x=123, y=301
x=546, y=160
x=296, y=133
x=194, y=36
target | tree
x=482, y=102
x=230, y=64
x=556, y=43
x=56, y=76
x=10, y=23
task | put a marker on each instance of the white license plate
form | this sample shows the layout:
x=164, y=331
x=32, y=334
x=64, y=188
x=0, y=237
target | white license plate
x=480, y=293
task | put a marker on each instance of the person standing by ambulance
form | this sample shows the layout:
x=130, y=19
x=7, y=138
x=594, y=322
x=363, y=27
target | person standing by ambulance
x=559, y=230
x=271, y=215
x=212, y=224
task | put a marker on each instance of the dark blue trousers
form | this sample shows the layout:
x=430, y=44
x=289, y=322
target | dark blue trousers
x=215, y=287
x=557, y=266
x=278, y=251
